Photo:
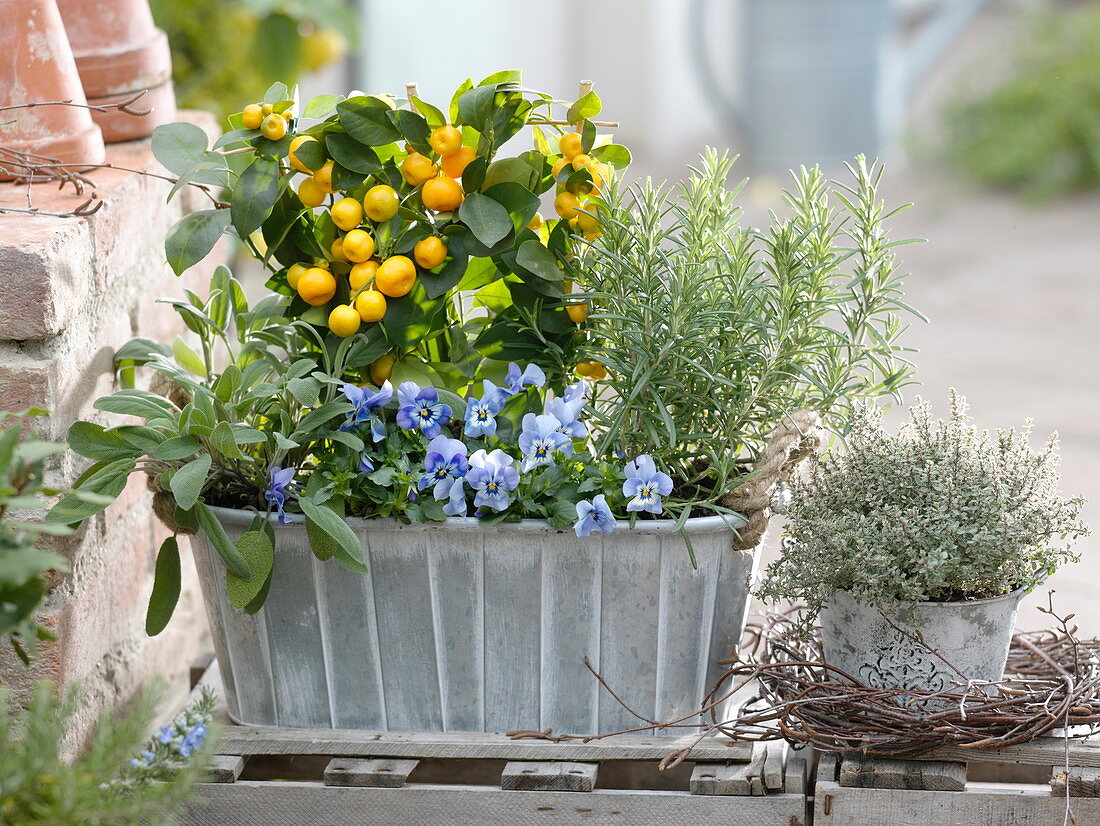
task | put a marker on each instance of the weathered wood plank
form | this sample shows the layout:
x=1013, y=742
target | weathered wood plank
x=379, y=773
x=224, y=768
x=253, y=803
x=835, y=805
x=1081, y=782
x=361, y=743
x=1046, y=751
x=728, y=779
x=878, y=773
x=549, y=776
x=775, y=755
x=796, y=773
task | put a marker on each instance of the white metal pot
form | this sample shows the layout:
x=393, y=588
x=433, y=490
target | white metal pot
x=883, y=647
x=464, y=627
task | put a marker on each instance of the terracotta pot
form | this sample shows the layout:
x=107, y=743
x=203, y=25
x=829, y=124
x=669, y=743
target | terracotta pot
x=120, y=51
x=36, y=64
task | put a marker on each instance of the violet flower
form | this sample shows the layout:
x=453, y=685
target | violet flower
x=420, y=409
x=493, y=476
x=594, y=515
x=540, y=439
x=481, y=413
x=445, y=462
x=532, y=375
x=276, y=493
x=646, y=484
x=365, y=402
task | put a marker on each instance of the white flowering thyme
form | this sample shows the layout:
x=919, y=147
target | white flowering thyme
x=941, y=511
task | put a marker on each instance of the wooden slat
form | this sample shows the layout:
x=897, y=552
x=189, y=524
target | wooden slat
x=355, y=743
x=1081, y=782
x=255, y=803
x=775, y=756
x=1046, y=751
x=726, y=779
x=796, y=773
x=835, y=805
x=878, y=773
x=549, y=776
x=224, y=768
x=378, y=773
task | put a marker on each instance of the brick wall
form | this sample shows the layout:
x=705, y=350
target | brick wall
x=71, y=291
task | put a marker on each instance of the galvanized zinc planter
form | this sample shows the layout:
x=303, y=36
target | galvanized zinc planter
x=460, y=626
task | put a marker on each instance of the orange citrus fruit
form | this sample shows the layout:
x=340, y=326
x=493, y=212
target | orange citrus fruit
x=323, y=176
x=382, y=369
x=588, y=223
x=266, y=109
x=559, y=166
x=430, y=252
x=346, y=213
x=358, y=246
x=310, y=194
x=295, y=144
x=455, y=163
x=371, y=305
x=273, y=127
x=395, y=277
x=536, y=222
x=337, y=250
x=566, y=205
x=570, y=144
x=252, y=116
x=417, y=168
x=361, y=274
x=295, y=272
x=442, y=194
x=316, y=286
x=446, y=140
x=577, y=312
x=343, y=320
x=581, y=161
x=381, y=202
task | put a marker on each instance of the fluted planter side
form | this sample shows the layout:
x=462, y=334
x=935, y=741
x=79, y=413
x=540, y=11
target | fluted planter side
x=463, y=627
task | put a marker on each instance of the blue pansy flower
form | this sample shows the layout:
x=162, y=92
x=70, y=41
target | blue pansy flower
x=567, y=412
x=420, y=409
x=276, y=493
x=366, y=464
x=646, y=485
x=445, y=462
x=365, y=402
x=453, y=492
x=577, y=390
x=594, y=516
x=493, y=477
x=540, y=438
x=481, y=413
x=532, y=375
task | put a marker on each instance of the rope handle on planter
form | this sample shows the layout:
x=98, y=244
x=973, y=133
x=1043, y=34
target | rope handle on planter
x=797, y=438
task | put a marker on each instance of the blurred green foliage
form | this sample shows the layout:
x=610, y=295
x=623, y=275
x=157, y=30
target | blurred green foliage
x=225, y=53
x=1039, y=131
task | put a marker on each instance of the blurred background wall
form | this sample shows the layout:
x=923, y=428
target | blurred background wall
x=986, y=113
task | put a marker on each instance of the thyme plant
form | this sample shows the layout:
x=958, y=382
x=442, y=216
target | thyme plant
x=940, y=511
x=712, y=332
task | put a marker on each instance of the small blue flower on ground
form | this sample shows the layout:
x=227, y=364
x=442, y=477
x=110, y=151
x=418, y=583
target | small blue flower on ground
x=646, y=485
x=540, y=438
x=493, y=476
x=446, y=461
x=594, y=516
x=276, y=493
x=532, y=375
x=366, y=465
x=481, y=413
x=420, y=409
x=365, y=403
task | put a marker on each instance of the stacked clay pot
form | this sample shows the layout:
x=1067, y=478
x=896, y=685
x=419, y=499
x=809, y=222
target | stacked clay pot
x=36, y=65
x=119, y=51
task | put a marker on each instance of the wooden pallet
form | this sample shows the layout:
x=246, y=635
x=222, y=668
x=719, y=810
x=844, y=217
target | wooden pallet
x=274, y=776
x=1024, y=786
